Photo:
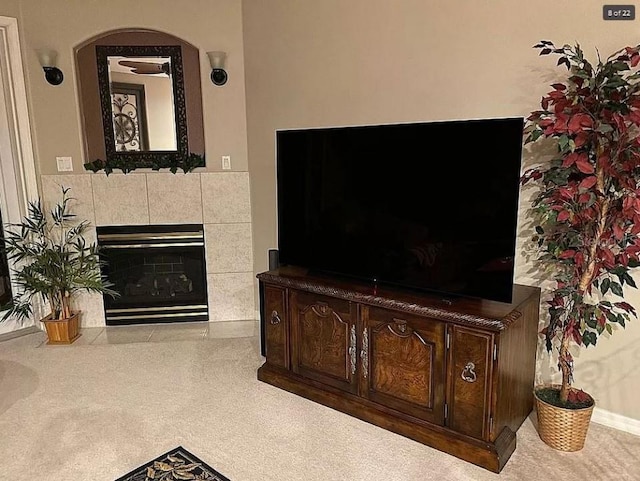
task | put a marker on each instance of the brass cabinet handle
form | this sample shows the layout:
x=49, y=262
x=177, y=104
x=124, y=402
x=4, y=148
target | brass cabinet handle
x=468, y=373
x=352, y=349
x=275, y=318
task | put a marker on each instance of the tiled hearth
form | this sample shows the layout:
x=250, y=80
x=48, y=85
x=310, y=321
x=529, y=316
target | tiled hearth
x=219, y=200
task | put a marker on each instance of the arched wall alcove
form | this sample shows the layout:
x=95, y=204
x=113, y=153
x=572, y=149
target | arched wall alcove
x=88, y=78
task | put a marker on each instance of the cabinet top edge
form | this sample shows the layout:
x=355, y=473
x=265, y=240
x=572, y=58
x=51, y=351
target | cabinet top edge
x=482, y=313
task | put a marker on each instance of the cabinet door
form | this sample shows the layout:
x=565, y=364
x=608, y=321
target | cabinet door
x=470, y=374
x=403, y=363
x=276, y=326
x=324, y=333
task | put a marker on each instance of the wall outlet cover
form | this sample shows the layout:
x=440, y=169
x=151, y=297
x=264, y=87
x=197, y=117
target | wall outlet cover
x=65, y=164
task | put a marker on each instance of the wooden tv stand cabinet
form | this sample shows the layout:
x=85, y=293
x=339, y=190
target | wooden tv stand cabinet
x=454, y=374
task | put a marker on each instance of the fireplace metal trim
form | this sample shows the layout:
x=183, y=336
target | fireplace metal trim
x=163, y=244
x=147, y=309
x=154, y=316
x=157, y=314
x=168, y=235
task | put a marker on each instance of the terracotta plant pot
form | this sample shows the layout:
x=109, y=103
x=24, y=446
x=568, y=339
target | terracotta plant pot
x=561, y=428
x=62, y=331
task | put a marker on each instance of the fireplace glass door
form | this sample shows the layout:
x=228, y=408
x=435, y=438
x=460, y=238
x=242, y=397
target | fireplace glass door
x=159, y=272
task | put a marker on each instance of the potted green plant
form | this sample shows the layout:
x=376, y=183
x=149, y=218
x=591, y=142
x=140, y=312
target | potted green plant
x=53, y=260
x=587, y=218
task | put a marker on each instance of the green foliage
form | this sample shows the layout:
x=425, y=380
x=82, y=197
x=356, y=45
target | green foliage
x=52, y=259
x=587, y=207
x=160, y=161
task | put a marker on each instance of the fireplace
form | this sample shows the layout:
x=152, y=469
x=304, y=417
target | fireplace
x=159, y=271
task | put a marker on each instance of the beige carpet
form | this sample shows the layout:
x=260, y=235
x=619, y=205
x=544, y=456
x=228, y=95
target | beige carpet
x=94, y=412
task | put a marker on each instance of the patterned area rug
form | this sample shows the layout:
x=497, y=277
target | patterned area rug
x=176, y=465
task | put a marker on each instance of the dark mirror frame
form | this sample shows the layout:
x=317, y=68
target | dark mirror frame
x=93, y=89
x=143, y=158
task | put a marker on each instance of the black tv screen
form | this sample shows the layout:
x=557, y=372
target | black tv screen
x=429, y=206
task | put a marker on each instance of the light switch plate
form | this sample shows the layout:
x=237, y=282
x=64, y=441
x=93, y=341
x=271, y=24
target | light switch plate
x=64, y=164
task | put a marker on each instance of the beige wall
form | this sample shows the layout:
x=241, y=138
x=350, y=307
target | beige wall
x=311, y=63
x=63, y=24
x=10, y=8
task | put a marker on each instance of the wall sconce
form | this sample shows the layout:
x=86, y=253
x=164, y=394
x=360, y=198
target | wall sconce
x=218, y=74
x=47, y=60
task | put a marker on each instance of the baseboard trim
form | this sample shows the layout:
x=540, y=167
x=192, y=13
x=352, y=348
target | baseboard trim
x=616, y=421
x=18, y=333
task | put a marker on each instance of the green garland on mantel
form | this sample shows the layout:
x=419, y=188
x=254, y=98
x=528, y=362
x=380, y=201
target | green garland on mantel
x=160, y=161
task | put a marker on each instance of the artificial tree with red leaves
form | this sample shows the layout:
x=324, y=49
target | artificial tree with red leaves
x=587, y=208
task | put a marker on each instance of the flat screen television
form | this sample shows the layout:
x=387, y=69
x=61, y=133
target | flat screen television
x=428, y=206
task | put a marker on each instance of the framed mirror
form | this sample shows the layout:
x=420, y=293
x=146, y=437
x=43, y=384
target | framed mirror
x=134, y=81
x=141, y=102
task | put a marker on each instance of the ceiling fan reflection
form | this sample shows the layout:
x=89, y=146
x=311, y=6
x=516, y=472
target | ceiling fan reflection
x=147, y=68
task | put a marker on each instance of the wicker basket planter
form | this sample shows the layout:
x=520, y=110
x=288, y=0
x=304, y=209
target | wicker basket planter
x=62, y=332
x=561, y=428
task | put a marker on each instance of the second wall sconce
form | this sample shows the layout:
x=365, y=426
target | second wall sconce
x=218, y=74
x=47, y=60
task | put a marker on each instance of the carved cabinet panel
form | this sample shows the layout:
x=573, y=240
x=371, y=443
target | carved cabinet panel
x=403, y=363
x=324, y=342
x=276, y=326
x=471, y=364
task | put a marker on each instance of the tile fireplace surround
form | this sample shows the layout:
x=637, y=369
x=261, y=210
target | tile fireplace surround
x=219, y=200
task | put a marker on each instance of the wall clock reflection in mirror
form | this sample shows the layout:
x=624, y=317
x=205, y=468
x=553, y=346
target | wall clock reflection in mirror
x=129, y=116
